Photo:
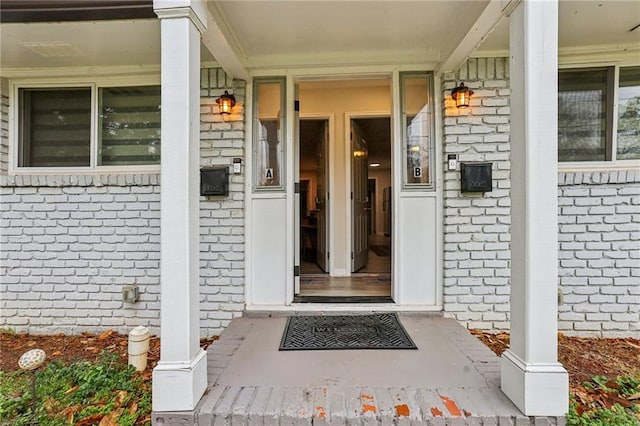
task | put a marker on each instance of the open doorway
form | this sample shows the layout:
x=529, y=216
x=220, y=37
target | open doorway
x=344, y=170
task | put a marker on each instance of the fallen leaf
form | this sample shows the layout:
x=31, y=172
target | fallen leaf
x=56, y=353
x=121, y=397
x=105, y=335
x=111, y=419
x=634, y=396
x=90, y=420
x=73, y=389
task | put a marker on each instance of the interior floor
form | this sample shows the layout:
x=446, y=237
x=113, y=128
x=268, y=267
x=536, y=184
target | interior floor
x=374, y=280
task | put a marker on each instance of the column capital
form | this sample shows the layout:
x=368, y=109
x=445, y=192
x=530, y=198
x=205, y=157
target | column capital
x=196, y=11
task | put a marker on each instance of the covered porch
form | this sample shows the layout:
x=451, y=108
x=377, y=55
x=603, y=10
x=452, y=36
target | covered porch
x=528, y=374
x=450, y=379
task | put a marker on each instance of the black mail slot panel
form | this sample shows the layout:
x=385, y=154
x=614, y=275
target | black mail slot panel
x=475, y=177
x=214, y=181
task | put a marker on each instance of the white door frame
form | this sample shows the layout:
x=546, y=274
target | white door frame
x=348, y=116
x=282, y=298
x=330, y=118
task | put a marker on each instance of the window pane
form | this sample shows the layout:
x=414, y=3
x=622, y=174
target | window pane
x=55, y=127
x=268, y=134
x=582, y=115
x=416, y=113
x=129, y=125
x=629, y=114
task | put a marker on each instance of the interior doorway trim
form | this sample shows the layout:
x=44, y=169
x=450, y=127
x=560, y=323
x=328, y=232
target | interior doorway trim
x=330, y=117
x=348, y=116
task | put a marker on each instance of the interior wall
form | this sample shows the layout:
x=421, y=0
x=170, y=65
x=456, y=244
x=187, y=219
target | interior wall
x=340, y=98
x=383, y=177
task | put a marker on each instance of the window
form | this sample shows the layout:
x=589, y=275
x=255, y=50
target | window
x=587, y=118
x=60, y=127
x=628, y=146
x=417, y=119
x=268, y=134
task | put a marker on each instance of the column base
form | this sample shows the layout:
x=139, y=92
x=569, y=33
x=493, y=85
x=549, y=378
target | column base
x=537, y=389
x=178, y=386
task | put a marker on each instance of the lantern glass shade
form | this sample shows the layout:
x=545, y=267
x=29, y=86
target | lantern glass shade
x=462, y=95
x=226, y=103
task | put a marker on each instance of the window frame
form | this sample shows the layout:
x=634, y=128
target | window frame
x=281, y=80
x=611, y=146
x=430, y=185
x=93, y=84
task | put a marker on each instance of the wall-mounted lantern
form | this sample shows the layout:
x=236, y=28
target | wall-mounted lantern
x=225, y=103
x=462, y=95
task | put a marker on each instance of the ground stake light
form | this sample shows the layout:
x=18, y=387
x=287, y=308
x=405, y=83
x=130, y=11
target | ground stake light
x=30, y=361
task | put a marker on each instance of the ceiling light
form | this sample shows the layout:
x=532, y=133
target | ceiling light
x=374, y=165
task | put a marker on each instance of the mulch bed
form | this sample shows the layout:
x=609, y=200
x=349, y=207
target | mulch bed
x=67, y=348
x=583, y=357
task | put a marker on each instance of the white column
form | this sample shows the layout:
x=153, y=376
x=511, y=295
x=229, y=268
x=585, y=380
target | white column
x=180, y=378
x=531, y=375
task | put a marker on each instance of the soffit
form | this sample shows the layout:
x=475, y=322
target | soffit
x=285, y=32
x=583, y=24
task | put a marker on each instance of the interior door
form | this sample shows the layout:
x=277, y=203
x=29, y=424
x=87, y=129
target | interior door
x=359, y=202
x=322, y=199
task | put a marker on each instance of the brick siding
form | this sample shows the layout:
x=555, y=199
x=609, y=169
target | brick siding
x=70, y=243
x=4, y=126
x=599, y=223
x=599, y=238
x=476, y=227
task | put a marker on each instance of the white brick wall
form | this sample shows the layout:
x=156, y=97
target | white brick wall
x=476, y=227
x=599, y=217
x=67, y=252
x=600, y=253
x=69, y=243
x=4, y=125
x=221, y=218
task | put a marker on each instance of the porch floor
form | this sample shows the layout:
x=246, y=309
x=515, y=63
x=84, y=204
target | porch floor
x=452, y=379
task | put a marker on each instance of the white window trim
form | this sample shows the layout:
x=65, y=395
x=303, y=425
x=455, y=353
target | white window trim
x=614, y=164
x=62, y=82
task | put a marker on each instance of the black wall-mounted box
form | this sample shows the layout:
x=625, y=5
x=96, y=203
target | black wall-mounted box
x=476, y=177
x=214, y=181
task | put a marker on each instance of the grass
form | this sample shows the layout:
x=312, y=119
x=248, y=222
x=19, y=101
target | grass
x=106, y=391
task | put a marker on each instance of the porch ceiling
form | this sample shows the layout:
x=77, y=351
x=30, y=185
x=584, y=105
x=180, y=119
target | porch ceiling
x=584, y=25
x=80, y=44
x=276, y=33
x=270, y=34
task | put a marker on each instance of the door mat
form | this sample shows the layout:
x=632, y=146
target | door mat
x=376, y=331
x=380, y=250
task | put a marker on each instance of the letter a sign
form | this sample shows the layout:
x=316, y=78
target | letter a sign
x=268, y=173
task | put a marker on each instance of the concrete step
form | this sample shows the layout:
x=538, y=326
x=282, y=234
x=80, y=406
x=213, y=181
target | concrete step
x=233, y=405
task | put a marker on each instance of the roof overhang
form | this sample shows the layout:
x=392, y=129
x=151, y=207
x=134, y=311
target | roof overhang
x=14, y=11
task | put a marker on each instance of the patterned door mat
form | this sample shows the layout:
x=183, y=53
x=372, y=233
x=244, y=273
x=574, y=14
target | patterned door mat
x=314, y=332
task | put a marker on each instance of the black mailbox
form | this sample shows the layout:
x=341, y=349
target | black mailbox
x=214, y=181
x=475, y=177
